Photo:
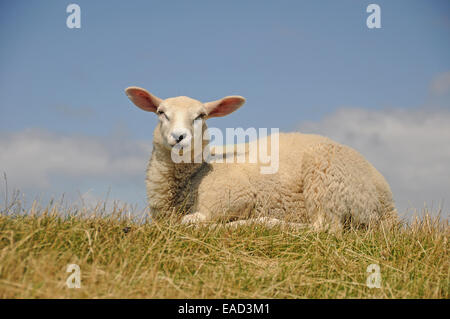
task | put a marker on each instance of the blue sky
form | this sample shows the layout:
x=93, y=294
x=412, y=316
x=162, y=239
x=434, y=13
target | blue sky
x=296, y=62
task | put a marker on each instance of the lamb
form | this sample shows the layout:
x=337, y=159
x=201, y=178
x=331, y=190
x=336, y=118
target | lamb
x=319, y=183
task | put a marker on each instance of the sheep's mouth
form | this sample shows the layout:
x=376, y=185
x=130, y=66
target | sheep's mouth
x=186, y=142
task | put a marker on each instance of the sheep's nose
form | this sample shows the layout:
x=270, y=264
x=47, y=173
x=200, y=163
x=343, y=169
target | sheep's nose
x=179, y=134
x=179, y=138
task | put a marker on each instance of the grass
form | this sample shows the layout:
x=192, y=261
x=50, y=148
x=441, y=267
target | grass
x=122, y=257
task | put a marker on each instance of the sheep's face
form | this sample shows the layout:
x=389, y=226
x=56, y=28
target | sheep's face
x=181, y=118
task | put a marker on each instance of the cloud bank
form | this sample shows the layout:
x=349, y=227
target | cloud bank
x=38, y=161
x=410, y=147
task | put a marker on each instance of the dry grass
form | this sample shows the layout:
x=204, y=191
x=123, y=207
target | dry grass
x=167, y=260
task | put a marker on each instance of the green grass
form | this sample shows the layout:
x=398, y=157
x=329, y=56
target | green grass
x=168, y=260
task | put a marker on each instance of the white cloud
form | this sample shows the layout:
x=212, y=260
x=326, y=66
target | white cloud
x=441, y=84
x=410, y=147
x=37, y=160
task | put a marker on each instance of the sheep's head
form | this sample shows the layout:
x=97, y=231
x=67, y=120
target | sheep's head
x=180, y=116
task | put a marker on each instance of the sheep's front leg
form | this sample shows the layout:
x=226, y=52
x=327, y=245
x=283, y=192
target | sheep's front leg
x=194, y=218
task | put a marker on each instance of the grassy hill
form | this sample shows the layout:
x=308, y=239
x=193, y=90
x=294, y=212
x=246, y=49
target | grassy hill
x=121, y=257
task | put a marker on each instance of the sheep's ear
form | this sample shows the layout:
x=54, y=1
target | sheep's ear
x=224, y=106
x=143, y=99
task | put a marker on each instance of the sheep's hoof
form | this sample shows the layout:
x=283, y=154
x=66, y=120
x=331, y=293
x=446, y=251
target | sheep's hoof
x=194, y=218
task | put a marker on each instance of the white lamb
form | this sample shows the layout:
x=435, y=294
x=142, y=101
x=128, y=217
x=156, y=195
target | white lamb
x=319, y=182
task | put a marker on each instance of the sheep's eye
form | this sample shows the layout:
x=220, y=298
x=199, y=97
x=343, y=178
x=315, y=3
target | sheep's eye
x=200, y=116
x=164, y=114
